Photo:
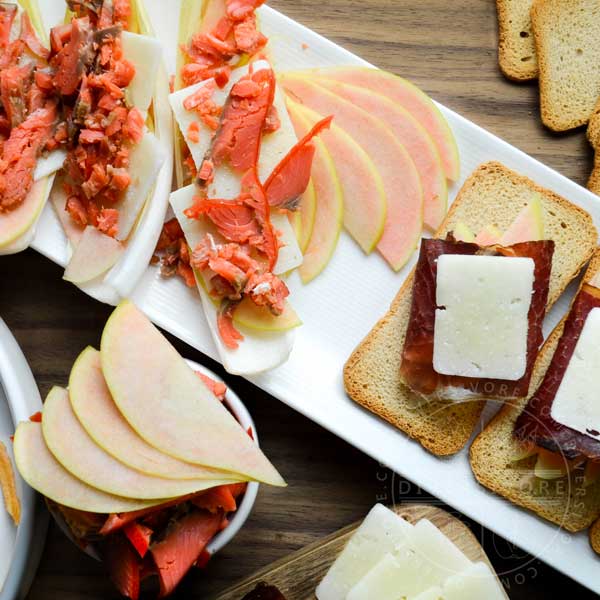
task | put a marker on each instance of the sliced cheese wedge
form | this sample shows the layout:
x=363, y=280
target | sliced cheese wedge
x=382, y=532
x=145, y=53
x=260, y=350
x=44, y=473
x=169, y=406
x=403, y=574
x=434, y=593
x=94, y=255
x=474, y=583
x=97, y=412
x=441, y=555
x=80, y=455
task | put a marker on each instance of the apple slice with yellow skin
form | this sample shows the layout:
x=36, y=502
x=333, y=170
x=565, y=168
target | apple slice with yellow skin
x=17, y=222
x=489, y=236
x=329, y=217
x=167, y=404
x=303, y=219
x=365, y=205
x=260, y=318
x=528, y=225
x=45, y=474
x=407, y=95
x=77, y=452
x=412, y=136
x=401, y=182
x=93, y=256
x=248, y=314
x=463, y=233
x=97, y=412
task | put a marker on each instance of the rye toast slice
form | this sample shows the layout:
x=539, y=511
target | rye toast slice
x=593, y=135
x=595, y=536
x=567, y=43
x=567, y=503
x=516, y=47
x=493, y=194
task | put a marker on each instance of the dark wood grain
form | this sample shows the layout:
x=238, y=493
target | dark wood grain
x=449, y=49
x=298, y=575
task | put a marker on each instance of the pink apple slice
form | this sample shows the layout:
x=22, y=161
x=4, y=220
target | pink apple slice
x=100, y=417
x=489, y=236
x=412, y=136
x=329, y=205
x=404, y=194
x=77, y=452
x=94, y=255
x=44, y=473
x=365, y=206
x=167, y=404
x=528, y=225
x=409, y=96
x=303, y=219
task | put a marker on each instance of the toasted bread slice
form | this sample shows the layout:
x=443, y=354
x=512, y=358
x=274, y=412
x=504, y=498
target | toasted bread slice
x=595, y=536
x=516, y=47
x=593, y=135
x=492, y=195
x=567, y=42
x=572, y=506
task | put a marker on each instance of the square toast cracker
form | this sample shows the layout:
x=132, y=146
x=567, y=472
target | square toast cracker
x=567, y=42
x=595, y=536
x=493, y=194
x=574, y=507
x=593, y=135
x=516, y=47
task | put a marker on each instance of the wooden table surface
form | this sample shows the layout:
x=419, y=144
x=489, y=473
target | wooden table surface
x=447, y=48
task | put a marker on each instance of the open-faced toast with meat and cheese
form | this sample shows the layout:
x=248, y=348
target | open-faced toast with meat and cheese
x=543, y=452
x=466, y=325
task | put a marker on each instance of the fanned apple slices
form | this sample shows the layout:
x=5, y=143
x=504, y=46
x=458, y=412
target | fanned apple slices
x=137, y=427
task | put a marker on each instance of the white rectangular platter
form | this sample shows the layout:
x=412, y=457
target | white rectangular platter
x=340, y=307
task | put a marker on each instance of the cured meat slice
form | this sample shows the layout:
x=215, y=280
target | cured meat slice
x=417, y=357
x=535, y=423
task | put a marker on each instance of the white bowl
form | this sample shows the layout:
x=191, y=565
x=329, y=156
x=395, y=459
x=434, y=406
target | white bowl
x=237, y=518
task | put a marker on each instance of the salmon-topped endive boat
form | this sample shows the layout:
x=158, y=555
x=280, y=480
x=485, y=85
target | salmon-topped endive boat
x=29, y=126
x=105, y=143
x=246, y=173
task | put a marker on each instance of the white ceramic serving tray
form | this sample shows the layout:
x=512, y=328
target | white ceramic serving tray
x=340, y=307
x=20, y=548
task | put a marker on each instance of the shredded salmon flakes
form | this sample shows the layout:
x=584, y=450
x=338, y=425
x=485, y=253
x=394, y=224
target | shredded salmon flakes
x=8, y=486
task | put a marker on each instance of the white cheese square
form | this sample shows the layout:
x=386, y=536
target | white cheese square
x=577, y=402
x=482, y=323
x=382, y=532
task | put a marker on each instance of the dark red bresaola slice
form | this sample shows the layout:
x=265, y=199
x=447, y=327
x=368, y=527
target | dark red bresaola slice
x=416, y=368
x=535, y=422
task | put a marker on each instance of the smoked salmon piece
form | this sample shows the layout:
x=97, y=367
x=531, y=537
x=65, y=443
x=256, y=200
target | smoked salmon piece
x=123, y=564
x=139, y=535
x=215, y=499
x=8, y=12
x=182, y=546
x=20, y=153
x=290, y=178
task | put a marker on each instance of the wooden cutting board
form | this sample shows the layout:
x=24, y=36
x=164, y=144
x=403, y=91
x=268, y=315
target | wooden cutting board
x=298, y=575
